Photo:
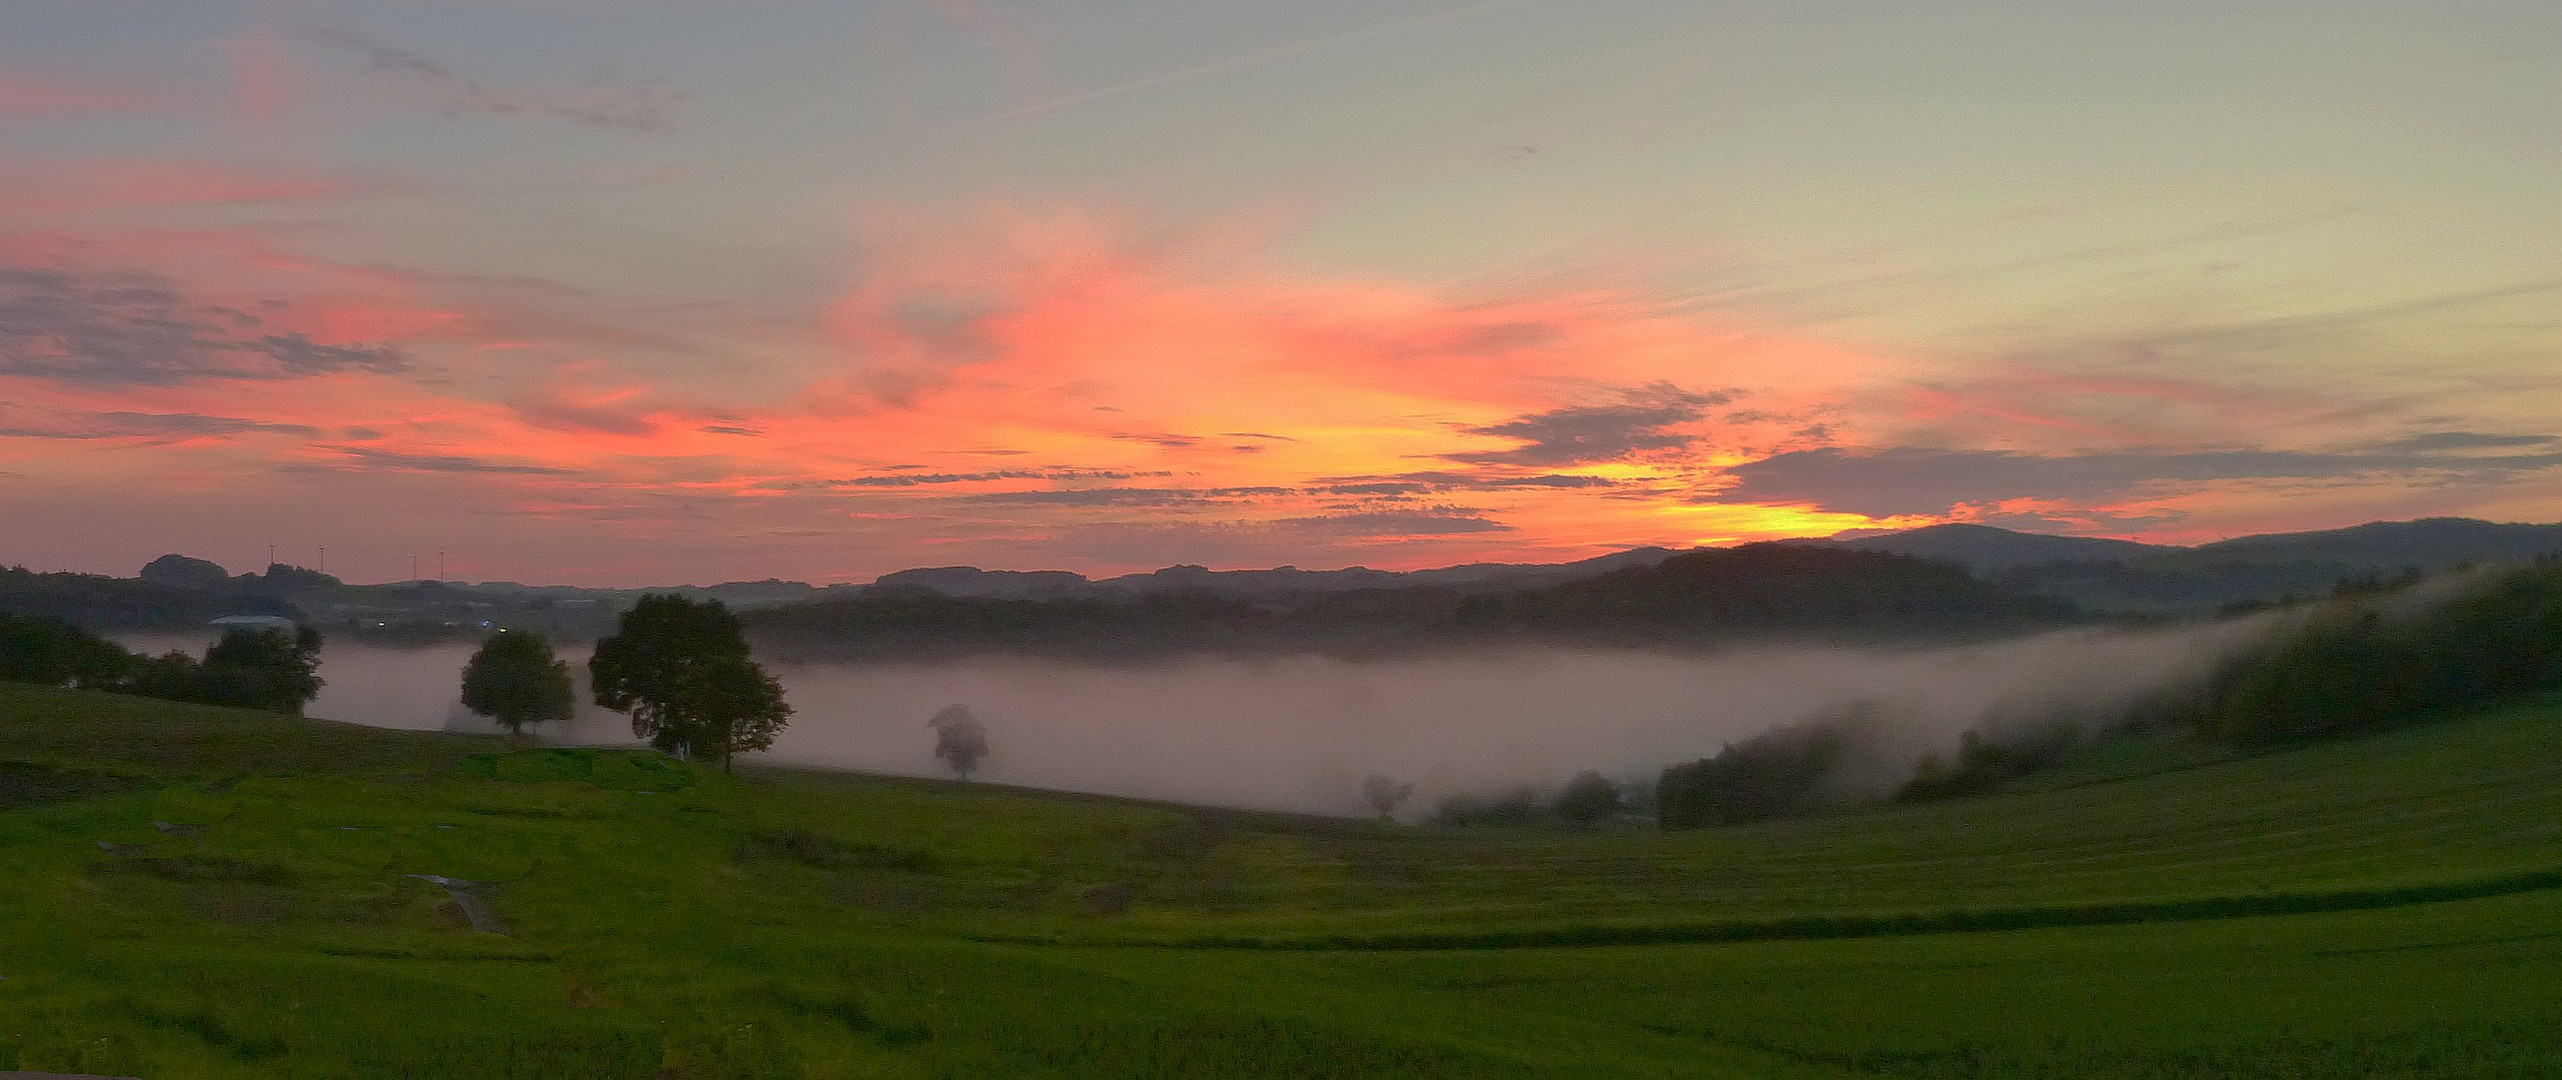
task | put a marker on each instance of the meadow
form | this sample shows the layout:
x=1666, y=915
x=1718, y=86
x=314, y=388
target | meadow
x=201, y=892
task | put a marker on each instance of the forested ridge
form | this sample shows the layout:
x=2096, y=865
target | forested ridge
x=1699, y=597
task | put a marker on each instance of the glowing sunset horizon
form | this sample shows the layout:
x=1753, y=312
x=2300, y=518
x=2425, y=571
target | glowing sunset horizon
x=625, y=294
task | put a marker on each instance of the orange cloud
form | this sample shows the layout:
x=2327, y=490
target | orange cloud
x=1001, y=385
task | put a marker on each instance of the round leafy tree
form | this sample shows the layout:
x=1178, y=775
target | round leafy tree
x=959, y=740
x=515, y=680
x=680, y=668
x=1588, y=798
x=260, y=669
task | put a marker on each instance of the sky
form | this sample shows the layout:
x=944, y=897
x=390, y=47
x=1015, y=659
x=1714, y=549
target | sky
x=621, y=292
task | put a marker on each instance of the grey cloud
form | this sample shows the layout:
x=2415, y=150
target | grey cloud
x=1166, y=440
x=1553, y=480
x=1005, y=474
x=642, y=107
x=1440, y=522
x=161, y=426
x=1087, y=497
x=442, y=463
x=1417, y=483
x=917, y=479
x=552, y=412
x=1926, y=481
x=1589, y=433
x=2467, y=440
x=1381, y=487
x=300, y=355
x=1122, y=496
x=134, y=328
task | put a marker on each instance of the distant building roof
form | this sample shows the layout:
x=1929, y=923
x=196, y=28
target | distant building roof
x=253, y=622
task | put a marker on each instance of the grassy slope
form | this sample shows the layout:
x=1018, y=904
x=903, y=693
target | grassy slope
x=790, y=924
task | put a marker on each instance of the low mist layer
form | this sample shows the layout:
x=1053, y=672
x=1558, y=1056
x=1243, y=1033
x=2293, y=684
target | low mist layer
x=1300, y=733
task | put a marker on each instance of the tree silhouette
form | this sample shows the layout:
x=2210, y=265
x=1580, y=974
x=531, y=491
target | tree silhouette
x=959, y=740
x=1588, y=798
x=681, y=669
x=1384, y=793
x=515, y=680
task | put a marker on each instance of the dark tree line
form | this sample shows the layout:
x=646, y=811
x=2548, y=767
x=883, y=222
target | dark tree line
x=274, y=670
x=180, y=595
x=1770, y=775
x=2376, y=655
x=1697, y=597
x=2371, y=663
x=1584, y=801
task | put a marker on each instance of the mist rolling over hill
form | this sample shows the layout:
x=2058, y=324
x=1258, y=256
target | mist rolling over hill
x=1257, y=540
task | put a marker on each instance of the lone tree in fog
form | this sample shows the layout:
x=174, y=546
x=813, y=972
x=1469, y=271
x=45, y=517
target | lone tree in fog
x=680, y=668
x=959, y=740
x=1384, y=794
x=515, y=680
x=1588, y=798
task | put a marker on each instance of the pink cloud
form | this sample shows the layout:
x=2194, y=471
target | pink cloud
x=96, y=184
x=36, y=96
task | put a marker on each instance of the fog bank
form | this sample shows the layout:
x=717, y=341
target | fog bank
x=1300, y=733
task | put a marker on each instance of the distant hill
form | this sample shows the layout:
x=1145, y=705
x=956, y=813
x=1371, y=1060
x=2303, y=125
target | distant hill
x=1709, y=595
x=2387, y=546
x=2124, y=576
x=1983, y=548
x=2098, y=575
x=970, y=581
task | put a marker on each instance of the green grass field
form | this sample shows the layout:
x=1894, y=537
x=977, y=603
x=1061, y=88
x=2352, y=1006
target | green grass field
x=198, y=892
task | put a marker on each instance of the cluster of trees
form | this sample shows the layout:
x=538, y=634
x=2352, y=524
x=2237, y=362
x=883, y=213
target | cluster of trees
x=1696, y=597
x=1773, y=774
x=1984, y=763
x=2384, y=651
x=172, y=593
x=678, y=667
x=2381, y=661
x=1585, y=800
x=50, y=652
x=275, y=670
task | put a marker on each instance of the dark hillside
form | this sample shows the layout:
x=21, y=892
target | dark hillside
x=1767, y=588
x=1985, y=549
x=2390, y=546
